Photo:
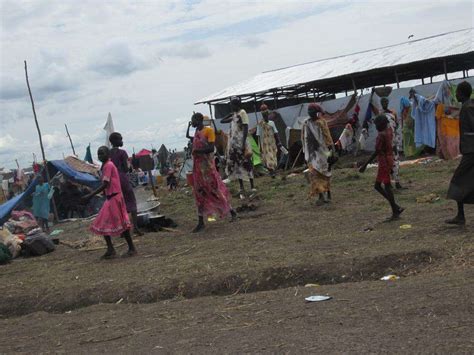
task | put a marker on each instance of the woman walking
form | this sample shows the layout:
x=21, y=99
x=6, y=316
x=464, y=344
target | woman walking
x=318, y=147
x=210, y=193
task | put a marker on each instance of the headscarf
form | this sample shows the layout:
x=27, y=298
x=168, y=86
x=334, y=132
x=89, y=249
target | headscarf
x=315, y=106
x=263, y=108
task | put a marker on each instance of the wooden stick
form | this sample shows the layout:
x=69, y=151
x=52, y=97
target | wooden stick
x=70, y=140
x=55, y=210
x=296, y=160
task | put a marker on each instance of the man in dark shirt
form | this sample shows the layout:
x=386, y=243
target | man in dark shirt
x=461, y=188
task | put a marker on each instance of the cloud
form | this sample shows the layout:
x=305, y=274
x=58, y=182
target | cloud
x=117, y=59
x=194, y=50
x=252, y=42
x=12, y=89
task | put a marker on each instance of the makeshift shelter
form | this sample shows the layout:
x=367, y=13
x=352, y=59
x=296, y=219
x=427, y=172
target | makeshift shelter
x=70, y=172
x=143, y=152
x=288, y=90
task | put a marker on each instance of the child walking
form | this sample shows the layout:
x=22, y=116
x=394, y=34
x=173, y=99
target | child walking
x=384, y=154
x=112, y=219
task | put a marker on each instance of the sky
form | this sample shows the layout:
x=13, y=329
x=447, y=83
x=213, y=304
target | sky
x=147, y=62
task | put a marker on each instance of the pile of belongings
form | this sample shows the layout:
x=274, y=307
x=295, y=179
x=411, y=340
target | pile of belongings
x=21, y=236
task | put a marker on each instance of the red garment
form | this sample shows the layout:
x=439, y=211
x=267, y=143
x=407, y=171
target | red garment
x=384, y=149
x=212, y=196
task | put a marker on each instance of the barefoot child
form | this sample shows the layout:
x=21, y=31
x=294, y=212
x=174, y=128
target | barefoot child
x=384, y=154
x=112, y=219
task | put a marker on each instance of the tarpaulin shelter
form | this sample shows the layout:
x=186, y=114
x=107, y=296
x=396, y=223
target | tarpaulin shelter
x=143, y=152
x=9, y=206
x=54, y=166
x=72, y=174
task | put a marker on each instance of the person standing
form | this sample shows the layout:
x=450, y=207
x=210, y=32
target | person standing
x=396, y=127
x=268, y=140
x=211, y=195
x=318, y=146
x=239, y=152
x=461, y=188
x=41, y=205
x=384, y=154
x=120, y=159
x=112, y=219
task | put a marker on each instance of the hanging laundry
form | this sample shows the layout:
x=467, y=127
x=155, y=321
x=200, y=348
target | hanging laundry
x=408, y=129
x=448, y=132
x=425, y=122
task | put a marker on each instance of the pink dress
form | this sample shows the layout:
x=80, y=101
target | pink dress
x=112, y=219
x=212, y=196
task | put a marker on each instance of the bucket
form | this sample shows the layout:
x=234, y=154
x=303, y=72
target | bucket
x=189, y=179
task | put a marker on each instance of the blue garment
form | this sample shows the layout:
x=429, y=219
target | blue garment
x=425, y=122
x=41, y=201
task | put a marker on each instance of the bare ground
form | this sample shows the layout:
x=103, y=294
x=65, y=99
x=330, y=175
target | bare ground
x=240, y=287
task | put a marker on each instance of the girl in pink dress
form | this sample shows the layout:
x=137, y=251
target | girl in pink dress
x=112, y=219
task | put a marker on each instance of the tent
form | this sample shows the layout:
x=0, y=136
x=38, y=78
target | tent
x=143, y=153
x=54, y=166
x=72, y=174
x=9, y=206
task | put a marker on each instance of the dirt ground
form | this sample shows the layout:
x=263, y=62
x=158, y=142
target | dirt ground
x=240, y=287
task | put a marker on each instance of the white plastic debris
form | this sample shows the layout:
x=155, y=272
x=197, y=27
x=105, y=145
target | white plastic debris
x=317, y=298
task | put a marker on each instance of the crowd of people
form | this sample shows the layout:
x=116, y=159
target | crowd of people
x=211, y=194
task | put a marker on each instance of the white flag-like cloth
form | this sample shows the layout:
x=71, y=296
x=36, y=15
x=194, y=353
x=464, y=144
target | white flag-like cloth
x=109, y=129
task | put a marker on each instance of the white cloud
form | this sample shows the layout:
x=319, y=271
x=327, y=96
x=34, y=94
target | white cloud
x=88, y=58
x=117, y=59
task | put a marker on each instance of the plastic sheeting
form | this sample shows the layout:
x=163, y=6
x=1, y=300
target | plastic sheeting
x=10, y=205
x=292, y=115
x=76, y=176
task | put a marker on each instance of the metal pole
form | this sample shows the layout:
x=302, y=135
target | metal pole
x=210, y=111
x=396, y=78
x=55, y=210
x=445, y=69
x=70, y=140
x=255, y=108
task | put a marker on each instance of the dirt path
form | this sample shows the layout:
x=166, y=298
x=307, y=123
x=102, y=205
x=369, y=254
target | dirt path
x=189, y=293
x=413, y=315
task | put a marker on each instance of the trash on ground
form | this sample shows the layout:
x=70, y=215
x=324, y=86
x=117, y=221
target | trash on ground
x=311, y=285
x=211, y=219
x=406, y=226
x=55, y=232
x=390, y=278
x=317, y=298
x=430, y=198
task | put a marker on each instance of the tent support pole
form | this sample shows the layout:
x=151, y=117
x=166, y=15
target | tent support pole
x=423, y=81
x=445, y=69
x=354, y=87
x=396, y=78
x=255, y=108
x=70, y=140
x=55, y=210
x=210, y=111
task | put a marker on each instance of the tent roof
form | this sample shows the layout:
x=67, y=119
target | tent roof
x=430, y=56
x=143, y=152
x=74, y=175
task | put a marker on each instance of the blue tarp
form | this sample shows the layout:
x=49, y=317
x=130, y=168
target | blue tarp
x=57, y=165
x=8, y=206
x=76, y=176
